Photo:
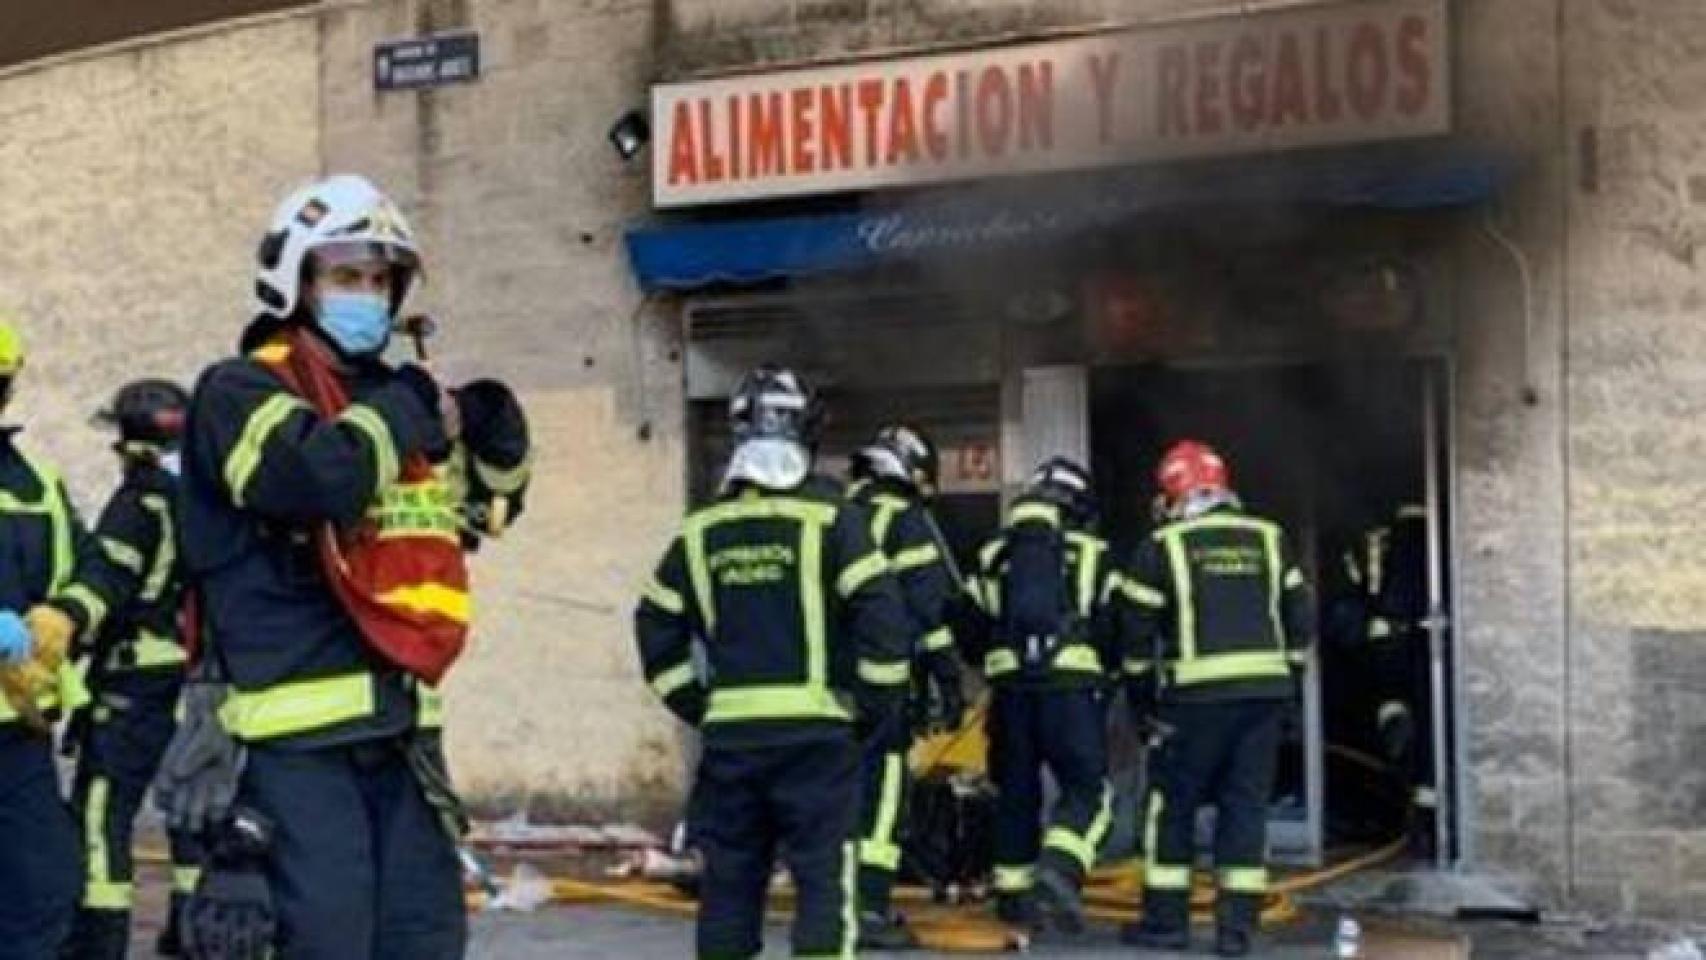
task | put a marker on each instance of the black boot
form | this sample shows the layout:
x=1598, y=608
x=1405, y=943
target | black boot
x=99, y=935
x=885, y=931
x=1018, y=909
x=1059, y=900
x=1150, y=935
x=1231, y=942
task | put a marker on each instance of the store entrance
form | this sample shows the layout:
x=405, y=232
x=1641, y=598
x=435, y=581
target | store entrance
x=1348, y=458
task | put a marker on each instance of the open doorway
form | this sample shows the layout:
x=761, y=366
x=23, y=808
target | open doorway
x=1348, y=458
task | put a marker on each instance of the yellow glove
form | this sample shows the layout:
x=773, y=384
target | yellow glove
x=22, y=684
x=52, y=630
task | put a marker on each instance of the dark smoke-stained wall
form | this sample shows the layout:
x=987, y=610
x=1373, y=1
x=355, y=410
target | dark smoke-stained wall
x=30, y=29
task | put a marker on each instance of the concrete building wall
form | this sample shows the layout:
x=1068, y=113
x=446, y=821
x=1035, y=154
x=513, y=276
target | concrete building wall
x=520, y=204
x=135, y=186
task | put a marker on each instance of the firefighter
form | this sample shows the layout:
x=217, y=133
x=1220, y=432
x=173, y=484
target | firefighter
x=1389, y=577
x=135, y=671
x=805, y=645
x=1043, y=586
x=1219, y=617
x=57, y=589
x=320, y=525
x=894, y=477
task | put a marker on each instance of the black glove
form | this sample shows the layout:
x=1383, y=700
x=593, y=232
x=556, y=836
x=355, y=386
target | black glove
x=231, y=916
x=949, y=710
x=197, y=782
x=494, y=426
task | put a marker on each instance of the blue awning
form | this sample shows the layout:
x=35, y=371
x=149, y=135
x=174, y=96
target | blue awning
x=737, y=252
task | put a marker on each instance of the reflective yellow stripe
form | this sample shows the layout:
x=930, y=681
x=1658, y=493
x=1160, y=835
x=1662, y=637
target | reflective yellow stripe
x=447, y=602
x=1142, y=594
x=1380, y=628
x=429, y=708
x=1082, y=848
x=501, y=481
x=861, y=572
x=672, y=680
x=1271, y=555
x=1167, y=878
x=778, y=702
x=810, y=515
x=147, y=652
x=166, y=554
x=1077, y=658
x=1186, y=616
x=1039, y=512
x=882, y=518
x=938, y=639
x=1297, y=658
x=184, y=879
x=1231, y=666
x=245, y=456
x=122, y=554
x=916, y=557
x=663, y=597
x=1137, y=668
x=370, y=423
x=1244, y=879
x=885, y=674
x=292, y=708
x=94, y=608
x=1089, y=560
x=1293, y=578
x=878, y=848
x=272, y=353
x=1014, y=879
x=998, y=662
x=1158, y=875
x=100, y=892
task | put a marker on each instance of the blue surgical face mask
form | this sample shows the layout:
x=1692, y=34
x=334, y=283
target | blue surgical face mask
x=359, y=323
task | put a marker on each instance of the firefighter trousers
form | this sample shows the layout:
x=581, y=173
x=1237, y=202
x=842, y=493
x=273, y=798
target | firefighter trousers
x=1224, y=754
x=361, y=867
x=884, y=789
x=1065, y=731
x=128, y=734
x=749, y=804
x=39, y=863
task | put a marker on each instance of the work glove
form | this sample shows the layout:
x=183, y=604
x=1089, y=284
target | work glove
x=197, y=782
x=52, y=630
x=230, y=916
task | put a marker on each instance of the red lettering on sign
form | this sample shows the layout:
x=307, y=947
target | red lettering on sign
x=1290, y=103
x=1416, y=88
x=800, y=122
x=903, y=128
x=1208, y=87
x=870, y=102
x=962, y=97
x=1036, y=105
x=994, y=111
x=736, y=153
x=1369, y=71
x=768, y=156
x=1103, y=69
x=835, y=120
x=1328, y=106
x=710, y=163
x=935, y=140
x=1249, y=83
x=1175, y=73
x=683, y=154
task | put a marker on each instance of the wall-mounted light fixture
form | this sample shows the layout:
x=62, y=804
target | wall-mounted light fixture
x=630, y=134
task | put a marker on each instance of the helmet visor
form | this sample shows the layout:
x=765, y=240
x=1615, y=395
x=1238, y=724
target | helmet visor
x=347, y=253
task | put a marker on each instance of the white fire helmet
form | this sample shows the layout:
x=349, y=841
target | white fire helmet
x=345, y=212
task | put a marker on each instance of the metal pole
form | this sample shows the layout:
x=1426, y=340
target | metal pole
x=1437, y=623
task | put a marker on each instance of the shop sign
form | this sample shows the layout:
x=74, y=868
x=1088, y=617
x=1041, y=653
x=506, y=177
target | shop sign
x=1336, y=73
x=971, y=468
